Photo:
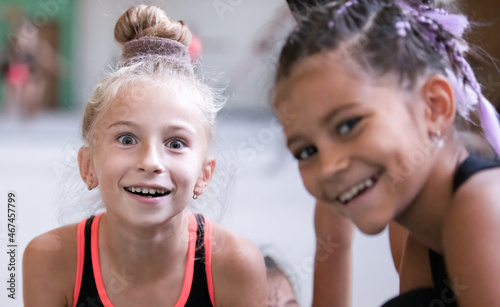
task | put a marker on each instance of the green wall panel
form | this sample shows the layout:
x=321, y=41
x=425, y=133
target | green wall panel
x=38, y=13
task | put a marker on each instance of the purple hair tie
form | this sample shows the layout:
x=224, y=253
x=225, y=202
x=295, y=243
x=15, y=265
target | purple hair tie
x=454, y=23
x=402, y=26
x=487, y=113
x=490, y=123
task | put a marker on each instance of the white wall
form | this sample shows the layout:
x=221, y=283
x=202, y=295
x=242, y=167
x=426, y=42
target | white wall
x=228, y=36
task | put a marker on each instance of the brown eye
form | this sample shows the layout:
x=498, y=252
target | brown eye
x=306, y=153
x=346, y=126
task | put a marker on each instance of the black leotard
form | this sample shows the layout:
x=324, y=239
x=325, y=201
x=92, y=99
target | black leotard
x=442, y=293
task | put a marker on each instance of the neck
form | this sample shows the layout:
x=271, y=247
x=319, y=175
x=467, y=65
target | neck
x=425, y=216
x=141, y=253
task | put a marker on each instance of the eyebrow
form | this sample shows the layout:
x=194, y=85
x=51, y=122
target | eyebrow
x=122, y=123
x=328, y=117
x=173, y=127
x=335, y=112
x=292, y=301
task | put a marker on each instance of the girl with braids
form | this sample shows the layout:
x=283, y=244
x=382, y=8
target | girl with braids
x=148, y=128
x=380, y=91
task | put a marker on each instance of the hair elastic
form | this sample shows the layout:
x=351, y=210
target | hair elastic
x=145, y=46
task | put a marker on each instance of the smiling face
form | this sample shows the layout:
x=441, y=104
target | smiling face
x=359, y=146
x=149, y=157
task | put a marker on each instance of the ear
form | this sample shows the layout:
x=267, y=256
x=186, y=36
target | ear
x=207, y=172
x=439, y=100
x=86, y=166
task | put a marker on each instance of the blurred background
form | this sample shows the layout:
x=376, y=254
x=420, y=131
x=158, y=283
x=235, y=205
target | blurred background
x=53, y=51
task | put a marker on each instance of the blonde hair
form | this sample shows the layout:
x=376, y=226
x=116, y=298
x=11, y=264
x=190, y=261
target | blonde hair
x=151, y=68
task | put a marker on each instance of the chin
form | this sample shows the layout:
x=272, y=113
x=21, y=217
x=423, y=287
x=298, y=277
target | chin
x=373, y=229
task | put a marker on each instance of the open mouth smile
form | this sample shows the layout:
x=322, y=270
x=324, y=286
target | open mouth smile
x=147, y=192
x=357, y=190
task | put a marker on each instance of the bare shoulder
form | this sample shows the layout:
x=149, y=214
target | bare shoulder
x=470, y=240
x=475, y=203
x=49, y=268
x=239, y=272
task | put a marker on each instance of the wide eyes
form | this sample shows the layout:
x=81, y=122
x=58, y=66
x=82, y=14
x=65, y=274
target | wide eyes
x=175, y=144
x=129, y=140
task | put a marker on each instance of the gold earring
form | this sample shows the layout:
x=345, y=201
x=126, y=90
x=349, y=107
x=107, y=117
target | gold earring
x=89, y=186
x=195, y=196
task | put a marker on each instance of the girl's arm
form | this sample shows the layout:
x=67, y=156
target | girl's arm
x=332, y=274
x=48, y=269
x=239, y=272
x=471, y=241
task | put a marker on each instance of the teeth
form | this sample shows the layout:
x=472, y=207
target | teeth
x=369, y=182
x=355, y=190
x=147, y=190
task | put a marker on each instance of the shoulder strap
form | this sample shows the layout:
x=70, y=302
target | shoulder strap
x=469, y=167
x=88, y=290
x=199, y=295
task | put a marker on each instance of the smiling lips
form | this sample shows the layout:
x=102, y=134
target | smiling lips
x=148, y=192
x=356, y=190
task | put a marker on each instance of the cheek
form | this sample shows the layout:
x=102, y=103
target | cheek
x=310, y=181
x=107, y=168
x=186, y=169
x=390, y=141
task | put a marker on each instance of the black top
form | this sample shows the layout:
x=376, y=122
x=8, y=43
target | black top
x=442, y=293
x=198, y=296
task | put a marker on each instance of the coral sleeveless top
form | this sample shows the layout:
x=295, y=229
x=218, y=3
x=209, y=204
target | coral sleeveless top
x=442, y=294
x=197, y=290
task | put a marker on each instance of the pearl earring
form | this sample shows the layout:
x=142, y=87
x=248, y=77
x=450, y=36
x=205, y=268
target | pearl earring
x=437, y=139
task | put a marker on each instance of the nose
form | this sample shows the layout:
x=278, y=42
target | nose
x=332, y=161
x=151, y=159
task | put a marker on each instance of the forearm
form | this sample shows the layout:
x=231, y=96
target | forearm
x=332, y=275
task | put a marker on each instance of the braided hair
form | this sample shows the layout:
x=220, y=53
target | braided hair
x=409, y=39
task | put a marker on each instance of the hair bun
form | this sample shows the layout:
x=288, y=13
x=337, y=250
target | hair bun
x=145, y=20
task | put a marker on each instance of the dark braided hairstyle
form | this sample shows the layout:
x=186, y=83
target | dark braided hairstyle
x=407, y=39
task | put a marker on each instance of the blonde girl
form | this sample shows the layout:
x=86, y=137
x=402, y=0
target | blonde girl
x=148, y=128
